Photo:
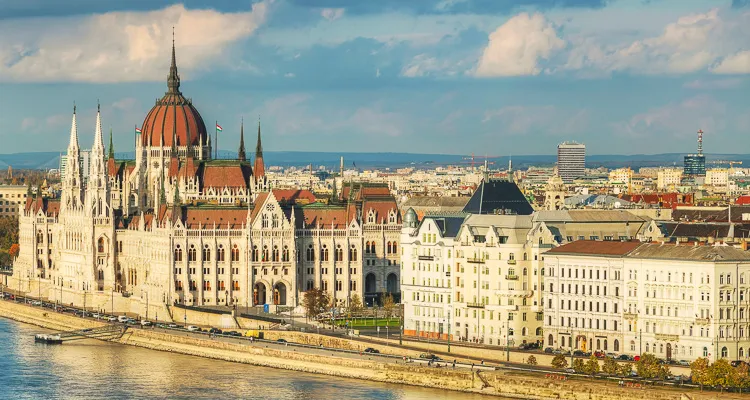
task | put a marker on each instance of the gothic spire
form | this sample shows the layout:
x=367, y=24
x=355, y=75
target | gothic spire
x=98, y=140
x=259, y=146
x=111, y=155
x=241, y=152
x=173, y=79
x=259, y=168
x=74, y=130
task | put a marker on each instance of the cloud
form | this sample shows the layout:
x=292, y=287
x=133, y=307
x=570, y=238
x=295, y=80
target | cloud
x=289, y=75
x=547, y=119
x=738, y=63
x=120, y=46
x=517, y=46
x=679, y=120
x=710, y=84
x=28, y=123
x=332, y=14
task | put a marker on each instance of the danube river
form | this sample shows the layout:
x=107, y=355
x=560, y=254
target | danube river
x=91, y=369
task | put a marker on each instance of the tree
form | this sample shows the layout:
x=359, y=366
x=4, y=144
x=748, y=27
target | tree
x=531, y=360
x=14, y=249
x=355, y=304
x=610, y=366
x=389, y=305
x=592, y=366
x=699, y=371
x=743, y=376
x=315, y=302
x=721, y=374
x=579, y=366
x=560, y=361
x=649, y=367
x=625, y=369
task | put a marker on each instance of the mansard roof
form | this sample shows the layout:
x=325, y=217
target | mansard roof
x=498, y=197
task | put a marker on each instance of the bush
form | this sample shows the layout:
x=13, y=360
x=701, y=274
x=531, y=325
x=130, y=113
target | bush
x=579, y=366
x=531, y=360
x=610, y=366
x=560, y=361
x=592, y=366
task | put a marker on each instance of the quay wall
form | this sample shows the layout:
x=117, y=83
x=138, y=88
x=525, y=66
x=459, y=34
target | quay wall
x=508, y=384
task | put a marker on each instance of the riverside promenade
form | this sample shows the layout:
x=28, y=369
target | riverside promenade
x=353, y=364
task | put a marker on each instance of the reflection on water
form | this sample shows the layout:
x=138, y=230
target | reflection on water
x=94, y=369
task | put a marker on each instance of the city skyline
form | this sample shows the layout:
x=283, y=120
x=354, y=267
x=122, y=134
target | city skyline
x=445, y=77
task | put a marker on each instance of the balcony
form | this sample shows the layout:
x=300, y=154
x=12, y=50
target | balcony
x=475, y=305
x=426, y=258
x=448, y=274
x=511, y=277
x=664, y=336
x=629, y=315
x=702, y=321
x=475, y=260
x=512, y=262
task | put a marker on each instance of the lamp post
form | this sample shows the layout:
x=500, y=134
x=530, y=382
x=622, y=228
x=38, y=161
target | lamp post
x=112, y=304
x=640, y=342
x=450, y=311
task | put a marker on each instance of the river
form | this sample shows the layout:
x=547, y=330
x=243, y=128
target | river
x=89, y=369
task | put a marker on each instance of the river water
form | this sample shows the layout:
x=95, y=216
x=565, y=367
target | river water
x=91, y=369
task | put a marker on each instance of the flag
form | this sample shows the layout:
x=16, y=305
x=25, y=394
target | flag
x=218, y=127
x=137, y=130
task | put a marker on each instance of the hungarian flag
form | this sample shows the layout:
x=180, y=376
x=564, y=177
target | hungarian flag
x=137, y=130
x=218, y=127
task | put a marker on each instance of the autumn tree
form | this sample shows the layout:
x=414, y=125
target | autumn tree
x=610, y=366
x=531, y=360
x=742, y=380
x=560, y=361
x=649, y=367
x=389, y=305
x=721, y=374
x=625, y=369
x=579, y=366
x=592, y=366
x=315, y=302
x=699, y=371
x=355, y=304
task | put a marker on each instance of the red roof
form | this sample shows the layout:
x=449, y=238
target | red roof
x=743, y=200
x=50, y=207
x=219, y=176
x=594, y=247
x=222, y=217
x=382, y=208
x=326, y=217
x=293, y=195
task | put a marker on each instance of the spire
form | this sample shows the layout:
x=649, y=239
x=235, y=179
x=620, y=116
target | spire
x=98, y=140
x=241, y=152
x=111, y=155
x=74, y=130
x=259, y=146
x=259, y=169
x=173, y=79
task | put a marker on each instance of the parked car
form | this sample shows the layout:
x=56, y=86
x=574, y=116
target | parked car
x=684, y=363
x=625, y=357
x=215, y=331
x=533, y=346
x=281, y=340
x=549, y=350
x=429, y=356
x=132, y=321
x=173, y=325
x=371, y=350
x=232, y=333
x=123, y=318
x=570, y=370
x=611, y=355
x=579, y=353
x=599, y=354
x=111, y=318
x=145, y=323
x=193, y=328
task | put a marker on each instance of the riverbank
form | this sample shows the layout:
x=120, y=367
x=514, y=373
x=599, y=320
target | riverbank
x=498, y=383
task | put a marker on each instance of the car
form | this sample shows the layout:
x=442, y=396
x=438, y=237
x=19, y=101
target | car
x=193, y=328
x=371, y=350
x=123, y=318
x=173, y=325
x=96, y=315
x=684, y=363
x=215, y=331
x=145, y=323
x=429, y=356
x=579, y=353
x=131, y=321
x=160, y=325
x=549, y=350
x=232, y=333
x=36, y=303
x=111, y=318
x=623, y=357
x=281, y=340
x=570, y=370
x=611, y=355
x=557, y=351
x=599, y=354
x=2, y=295
x=534, y=346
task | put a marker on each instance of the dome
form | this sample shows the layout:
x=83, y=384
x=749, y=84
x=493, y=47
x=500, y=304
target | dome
x=173, y=117
x=410, y=218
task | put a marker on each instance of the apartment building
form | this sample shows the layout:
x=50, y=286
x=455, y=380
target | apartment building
x=12, y=199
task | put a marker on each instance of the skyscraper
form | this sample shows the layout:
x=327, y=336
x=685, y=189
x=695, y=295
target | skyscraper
x=571, y=160
x=695, y=164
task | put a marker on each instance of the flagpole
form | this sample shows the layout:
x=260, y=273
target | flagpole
x=216, y=139
x=135, y=135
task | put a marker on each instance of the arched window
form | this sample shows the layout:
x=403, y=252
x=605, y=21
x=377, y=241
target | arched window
x=353, y=253
x=339, y=253
x=275, y=253
x=395, y=248
x=285, y=254
x=235, y=253
x=372, y=247
x=255, y=253
x=264, y=221
x=39, y=237
x=617, y=345
x=178, y=253
x=742, y=352
x=275, y=221
x=539, y=331
x=100, y=245
x=310, y=253
x=523, y=331
x=724, y=352
x=324, y=253
x=705, y=352
x=220, y=253
x=389, y=248
x=206, y=253
x=367, y=248
x=192, y=253
x=265, y=253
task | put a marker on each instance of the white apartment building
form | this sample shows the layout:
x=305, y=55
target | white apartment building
x=675, y=301
x=12, y=199
x=717, y=177
x=571, y=161
x=668, y=178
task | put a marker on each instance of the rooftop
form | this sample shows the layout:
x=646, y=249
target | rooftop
x=667, y=251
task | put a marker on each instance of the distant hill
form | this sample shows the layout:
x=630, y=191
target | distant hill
x=47, y=160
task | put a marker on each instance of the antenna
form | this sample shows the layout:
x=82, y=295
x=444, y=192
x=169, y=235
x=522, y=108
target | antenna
x=700, y=142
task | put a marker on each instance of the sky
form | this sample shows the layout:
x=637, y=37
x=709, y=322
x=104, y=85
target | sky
x=491, y=77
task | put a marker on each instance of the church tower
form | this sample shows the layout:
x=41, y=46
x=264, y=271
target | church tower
x=241, y=152
x=554, y=193
x=97, y=190
x=260, y=183
x=72, y=184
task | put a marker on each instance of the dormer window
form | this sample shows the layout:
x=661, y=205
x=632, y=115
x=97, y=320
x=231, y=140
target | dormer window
x=371, y=217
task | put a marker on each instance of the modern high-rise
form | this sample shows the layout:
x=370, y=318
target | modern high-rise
x=571, y=160
x=695, y=164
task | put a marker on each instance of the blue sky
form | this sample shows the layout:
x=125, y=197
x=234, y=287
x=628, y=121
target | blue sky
x=427, y=76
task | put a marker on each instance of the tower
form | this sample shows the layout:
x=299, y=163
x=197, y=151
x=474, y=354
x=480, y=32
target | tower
x=241, y=152
x=554, y=193
x=97, y=190
x=72, y=182
x=259, y=169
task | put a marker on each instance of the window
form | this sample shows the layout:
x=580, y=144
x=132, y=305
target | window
x=235, y=253
x=192, y=253
x=220, y=253
x=275, y=253
x=324, y=253
x=285, y=254
x=265, y=254
x=353, y=253
x=310, y=253
x=340, y=253
x=206, y=254
x=178, y=253
x=255, y=253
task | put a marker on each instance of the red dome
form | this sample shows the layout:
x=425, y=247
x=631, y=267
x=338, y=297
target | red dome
x=173, y=117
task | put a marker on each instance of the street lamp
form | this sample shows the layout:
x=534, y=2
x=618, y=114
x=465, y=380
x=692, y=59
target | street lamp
x=450, y=311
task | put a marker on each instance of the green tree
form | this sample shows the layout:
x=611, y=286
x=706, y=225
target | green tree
x=721, y=374
x=355, y=304
x=315, y=302
x=389, y=305
x=531, y=360
x=649, y=367
x=579, y=366
x=699, y=371
x=610, y=366
x=743, y=376
x=592, y=366
x=560, y=361
x=625, y=369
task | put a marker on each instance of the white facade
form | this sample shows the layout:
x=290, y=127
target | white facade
x=668, y=178
x=677, y=302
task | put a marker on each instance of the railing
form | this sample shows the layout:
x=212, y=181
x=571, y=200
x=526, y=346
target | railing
x=511, y=277
x=664, y=336
x=426, y=258
x=628, y=315
x=702, y=321
x=448, y=274
x=475, y=305
x=512, y=262
x=475, y=260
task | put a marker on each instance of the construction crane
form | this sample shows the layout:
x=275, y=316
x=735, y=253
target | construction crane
x=474, y=158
